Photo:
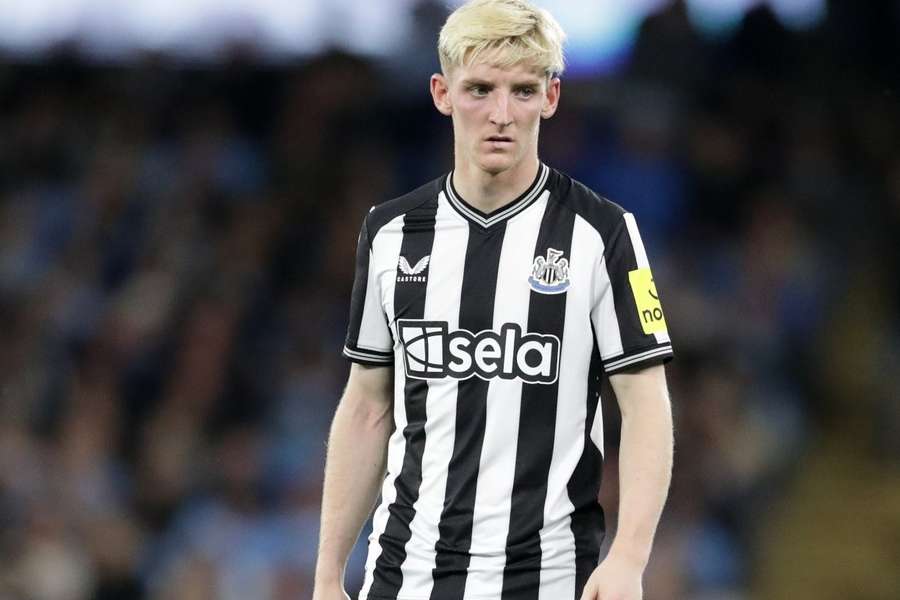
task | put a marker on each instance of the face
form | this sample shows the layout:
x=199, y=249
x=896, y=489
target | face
x=496, y=112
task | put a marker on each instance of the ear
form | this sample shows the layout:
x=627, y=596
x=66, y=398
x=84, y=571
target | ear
x=440, y=93
x=551, y=98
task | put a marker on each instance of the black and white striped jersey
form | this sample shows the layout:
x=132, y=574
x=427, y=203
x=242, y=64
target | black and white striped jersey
x=500, y=327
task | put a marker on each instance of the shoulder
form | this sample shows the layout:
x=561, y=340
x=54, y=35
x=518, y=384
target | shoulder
x=601, y=213
x=423, y=198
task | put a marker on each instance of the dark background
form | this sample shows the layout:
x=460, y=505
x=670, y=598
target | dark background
x=176, y=255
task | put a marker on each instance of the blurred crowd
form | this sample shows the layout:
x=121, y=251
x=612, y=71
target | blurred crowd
x=176, y=255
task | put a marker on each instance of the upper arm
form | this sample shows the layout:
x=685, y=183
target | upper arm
x=627, y=314
x=370, y=389
x=368, y=345
x=369, y=339
x=645, y=388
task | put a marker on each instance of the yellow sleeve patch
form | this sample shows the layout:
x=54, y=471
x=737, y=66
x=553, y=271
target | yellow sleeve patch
x=647, y=300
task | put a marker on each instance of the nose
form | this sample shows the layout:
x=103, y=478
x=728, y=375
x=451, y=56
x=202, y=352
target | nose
x=500, y=112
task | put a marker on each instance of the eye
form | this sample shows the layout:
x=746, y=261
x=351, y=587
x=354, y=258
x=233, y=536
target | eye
x=478, y=90
x=526, y=92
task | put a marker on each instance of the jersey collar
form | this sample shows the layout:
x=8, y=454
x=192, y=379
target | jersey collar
x=526, y=199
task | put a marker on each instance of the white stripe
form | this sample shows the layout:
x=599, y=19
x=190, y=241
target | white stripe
x=373, y=326
x=448, y=257
x=487, y=222
x=557, y=539
x=385, y=255
x=636, y=243
x=509, y=212
x=603, y=315
x=638, y=357
x=643, y=262
x=396, y=451
x=361, y=348
x=497, y=465
x=366, y=356
x=606, y=328
x=636, y=361
x=521, y=205
x=597, y=428
x=632, y=357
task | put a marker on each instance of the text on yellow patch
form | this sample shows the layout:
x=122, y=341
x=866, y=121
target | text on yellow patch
x=649, y=308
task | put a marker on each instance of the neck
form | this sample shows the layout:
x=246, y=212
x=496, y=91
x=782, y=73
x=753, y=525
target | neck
x=488, y=191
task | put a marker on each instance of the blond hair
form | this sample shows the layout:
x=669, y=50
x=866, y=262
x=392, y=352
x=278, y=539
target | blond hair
x=504, y=33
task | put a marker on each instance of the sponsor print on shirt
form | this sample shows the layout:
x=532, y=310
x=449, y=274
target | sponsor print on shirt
x=414, y=273
x=431, y=351
x=647, y=301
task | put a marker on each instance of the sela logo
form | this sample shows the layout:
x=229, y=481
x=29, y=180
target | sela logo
x=412, y=274
x=431, y=351
x=550, y=275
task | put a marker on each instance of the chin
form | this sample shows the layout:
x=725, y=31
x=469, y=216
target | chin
x=496, y=164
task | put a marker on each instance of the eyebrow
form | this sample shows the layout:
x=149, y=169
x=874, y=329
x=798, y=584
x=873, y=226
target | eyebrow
x=518, y=84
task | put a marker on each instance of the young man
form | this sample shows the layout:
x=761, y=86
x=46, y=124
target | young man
x=487, y=306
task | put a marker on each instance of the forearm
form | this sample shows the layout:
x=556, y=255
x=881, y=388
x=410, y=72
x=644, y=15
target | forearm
x=645, y=467
x=354, y=469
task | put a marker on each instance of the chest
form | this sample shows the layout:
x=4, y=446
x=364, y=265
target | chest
x=480, y=281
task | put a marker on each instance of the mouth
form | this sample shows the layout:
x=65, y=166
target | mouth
x=499, y=139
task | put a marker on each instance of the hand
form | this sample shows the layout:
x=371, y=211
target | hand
x=615, y=579
x=329, y=591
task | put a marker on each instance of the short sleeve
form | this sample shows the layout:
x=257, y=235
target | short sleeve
x=628, y=319
x=369, y=338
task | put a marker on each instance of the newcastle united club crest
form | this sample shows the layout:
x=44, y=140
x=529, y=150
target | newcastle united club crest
x=550, y=275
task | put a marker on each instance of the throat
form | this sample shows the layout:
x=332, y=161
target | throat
x=489, y=192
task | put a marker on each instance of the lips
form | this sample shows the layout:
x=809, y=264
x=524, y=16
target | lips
x=499, y=138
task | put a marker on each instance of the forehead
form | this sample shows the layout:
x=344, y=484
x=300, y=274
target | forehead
x=491, y=72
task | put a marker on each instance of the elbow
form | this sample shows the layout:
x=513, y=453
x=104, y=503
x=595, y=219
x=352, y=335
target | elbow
x=378, y=419
x=367, y=416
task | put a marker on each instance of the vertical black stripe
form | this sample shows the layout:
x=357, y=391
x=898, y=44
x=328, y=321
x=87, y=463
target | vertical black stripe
x=537, y=423
x=584, y=485
x=476, y=313
x=360, y=287
x=409, y=303
x=621, y=260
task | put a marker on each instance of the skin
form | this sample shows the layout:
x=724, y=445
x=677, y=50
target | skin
x=484, y=101
x=645, y=468
x=355, y=467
